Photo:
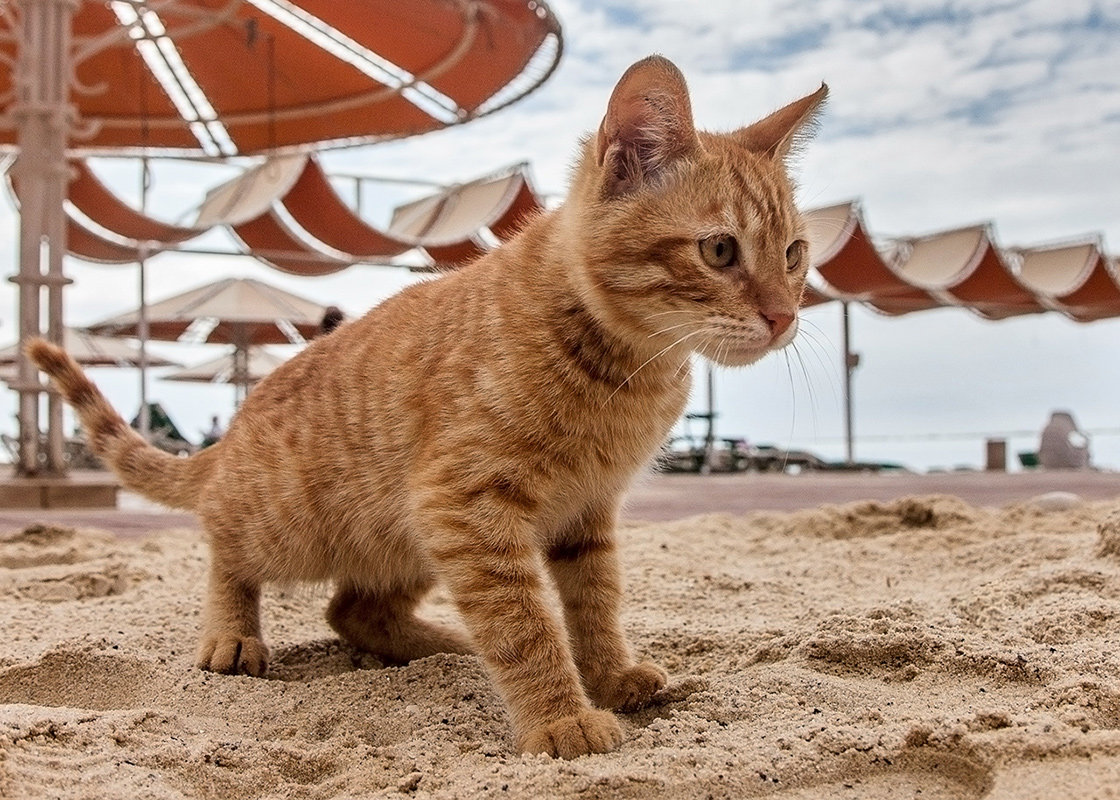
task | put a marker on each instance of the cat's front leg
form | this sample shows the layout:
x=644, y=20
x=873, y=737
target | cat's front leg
x=484, y=553
x=584, y=564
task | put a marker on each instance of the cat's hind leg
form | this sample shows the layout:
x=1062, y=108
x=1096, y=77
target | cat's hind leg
x=231, y=634
x=383, y=622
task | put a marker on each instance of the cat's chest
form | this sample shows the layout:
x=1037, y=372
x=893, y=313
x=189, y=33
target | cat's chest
x=627, y=428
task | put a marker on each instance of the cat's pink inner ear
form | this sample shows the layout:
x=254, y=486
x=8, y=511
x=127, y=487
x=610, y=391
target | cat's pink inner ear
x=777, y=134
x=648, y=125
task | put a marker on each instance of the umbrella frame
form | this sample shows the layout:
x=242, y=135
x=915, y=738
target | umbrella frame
x=45, y=121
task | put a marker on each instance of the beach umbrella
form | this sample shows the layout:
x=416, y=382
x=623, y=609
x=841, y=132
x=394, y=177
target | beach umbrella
x=259, y=362
x=240, y=311
x=92, y=350
x=231, y=77
x=225, y=77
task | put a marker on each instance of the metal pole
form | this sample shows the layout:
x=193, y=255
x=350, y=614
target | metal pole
x=142, y=324
x=240, y=336
x=850, y=361
x=145, y=421
x=710, y=437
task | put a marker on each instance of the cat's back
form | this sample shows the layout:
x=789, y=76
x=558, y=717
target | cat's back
x=349, y=397
x=414, y=319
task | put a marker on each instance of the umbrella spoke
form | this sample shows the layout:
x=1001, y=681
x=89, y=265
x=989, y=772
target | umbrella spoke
x=199, y=330
x=167, y=67
x=290, y=331
x=425, y=97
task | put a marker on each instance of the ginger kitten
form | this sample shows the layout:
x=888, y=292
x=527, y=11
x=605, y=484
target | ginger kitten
x=480, y=429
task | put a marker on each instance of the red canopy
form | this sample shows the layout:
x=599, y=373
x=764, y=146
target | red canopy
x=263, y=74
x=1074, y=278
x=963, y=267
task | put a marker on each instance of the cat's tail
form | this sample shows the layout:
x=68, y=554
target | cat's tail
x=141, y=467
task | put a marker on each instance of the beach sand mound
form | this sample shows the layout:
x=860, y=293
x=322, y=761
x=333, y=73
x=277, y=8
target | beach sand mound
x=917, y=649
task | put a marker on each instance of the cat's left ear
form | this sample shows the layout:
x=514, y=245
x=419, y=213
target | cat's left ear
x=782, y=131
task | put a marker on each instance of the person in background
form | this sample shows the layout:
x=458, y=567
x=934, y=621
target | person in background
x=332, y=318
x=1062, y=445
x=214, y=434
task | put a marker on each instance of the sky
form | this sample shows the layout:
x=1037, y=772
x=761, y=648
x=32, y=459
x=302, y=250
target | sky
x=941, y=115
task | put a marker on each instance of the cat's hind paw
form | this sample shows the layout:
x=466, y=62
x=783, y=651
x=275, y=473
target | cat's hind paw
x=590, y=731
x=631, y=689
x=232, y=655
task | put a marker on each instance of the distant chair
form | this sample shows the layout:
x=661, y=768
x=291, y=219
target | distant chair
x=1062, y=445
x=163, y=433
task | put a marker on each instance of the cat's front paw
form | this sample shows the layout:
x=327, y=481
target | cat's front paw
x=590, y=731
x=233, y=654
x=630, y=689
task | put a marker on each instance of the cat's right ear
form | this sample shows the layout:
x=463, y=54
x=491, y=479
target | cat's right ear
x=648, y=125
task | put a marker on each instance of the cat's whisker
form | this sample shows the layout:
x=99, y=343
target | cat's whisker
x=684, y=365
x=825, y=356
x=722, y=350
x=819, y=330
x=674, y=327
x=793, y=397
x=817, y=349
x=814, y=407
x=809, y=339
x=645, y=363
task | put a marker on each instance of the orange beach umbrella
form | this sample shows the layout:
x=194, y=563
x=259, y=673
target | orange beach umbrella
x=231, y=77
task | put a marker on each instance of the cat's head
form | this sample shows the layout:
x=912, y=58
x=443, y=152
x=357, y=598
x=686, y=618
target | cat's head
x=690, y=239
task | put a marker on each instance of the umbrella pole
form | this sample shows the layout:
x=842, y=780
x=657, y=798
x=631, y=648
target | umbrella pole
x=710, y=436
x=142, y=329
x=142, y=323
x=851, y=361
x=240, y=364
x=56, y=434
x=43, y=118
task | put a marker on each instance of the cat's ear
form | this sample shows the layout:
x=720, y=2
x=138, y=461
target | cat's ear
x=648, y=125
x=782, y=131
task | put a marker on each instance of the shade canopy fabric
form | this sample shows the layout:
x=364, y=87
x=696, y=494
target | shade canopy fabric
x=95, y=351
x=1077, y=279
x=223, y=369
x=238, y=311
x=286, y=213
x=245, y=76
x=851, y=268
x=964, y=267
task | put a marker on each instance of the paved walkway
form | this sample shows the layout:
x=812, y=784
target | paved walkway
x=672, y=496
x=663, y=497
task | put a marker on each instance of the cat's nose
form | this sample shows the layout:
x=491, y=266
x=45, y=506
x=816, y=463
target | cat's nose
x=779, y=322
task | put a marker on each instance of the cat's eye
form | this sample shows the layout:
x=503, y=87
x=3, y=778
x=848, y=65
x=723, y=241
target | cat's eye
x=720, y=251
x=794, y=253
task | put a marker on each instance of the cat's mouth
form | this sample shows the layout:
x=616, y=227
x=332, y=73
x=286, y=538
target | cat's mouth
x=732, y=351
x=740, y=347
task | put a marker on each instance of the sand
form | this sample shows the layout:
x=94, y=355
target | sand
x=922, y=648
